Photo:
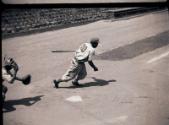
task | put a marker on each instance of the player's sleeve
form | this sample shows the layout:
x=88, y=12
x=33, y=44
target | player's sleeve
x=91, y=54
x=83, y=47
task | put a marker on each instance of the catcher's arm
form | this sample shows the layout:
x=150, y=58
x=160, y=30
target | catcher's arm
x=13, y=68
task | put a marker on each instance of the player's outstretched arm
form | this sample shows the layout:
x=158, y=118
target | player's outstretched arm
x=92, y=65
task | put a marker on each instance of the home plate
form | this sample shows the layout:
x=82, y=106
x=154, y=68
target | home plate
x=74, y=99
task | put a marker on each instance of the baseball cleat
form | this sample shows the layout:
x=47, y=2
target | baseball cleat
x=75, y=83
x=56, y=83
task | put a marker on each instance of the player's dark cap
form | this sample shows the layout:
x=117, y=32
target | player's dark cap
x=94, y=40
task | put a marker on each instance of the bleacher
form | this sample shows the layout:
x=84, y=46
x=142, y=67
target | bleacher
x=19, y=21
x=25, y=20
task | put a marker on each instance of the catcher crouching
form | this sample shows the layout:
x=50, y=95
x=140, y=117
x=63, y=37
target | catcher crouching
x=9, y=74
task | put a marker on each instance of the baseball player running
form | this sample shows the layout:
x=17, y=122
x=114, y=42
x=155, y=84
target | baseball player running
x=77, y=70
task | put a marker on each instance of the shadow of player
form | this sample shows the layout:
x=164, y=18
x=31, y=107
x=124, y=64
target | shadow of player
x=9, y=105
x=62, y=51
x=97, y=82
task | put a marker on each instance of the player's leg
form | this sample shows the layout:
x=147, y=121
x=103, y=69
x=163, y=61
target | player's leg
x=81, y=74
x=4, y=91
x=70, y=73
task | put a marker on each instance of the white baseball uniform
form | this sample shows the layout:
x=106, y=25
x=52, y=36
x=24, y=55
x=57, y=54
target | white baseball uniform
x=77, y=67
x=6, y=76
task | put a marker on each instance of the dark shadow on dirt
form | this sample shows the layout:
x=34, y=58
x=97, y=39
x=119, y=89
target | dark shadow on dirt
x=9, y=105
x=135, y=49
x=62, y=51
x=98, y=82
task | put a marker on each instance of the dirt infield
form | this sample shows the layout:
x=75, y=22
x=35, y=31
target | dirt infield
x=131, y=91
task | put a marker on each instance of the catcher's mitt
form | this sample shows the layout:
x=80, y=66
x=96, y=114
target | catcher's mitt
x=26, y=80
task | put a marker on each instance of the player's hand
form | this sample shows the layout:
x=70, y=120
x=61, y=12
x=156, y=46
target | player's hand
x=95, y=69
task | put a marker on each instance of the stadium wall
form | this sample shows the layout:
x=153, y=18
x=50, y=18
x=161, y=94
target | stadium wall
x=16, y=22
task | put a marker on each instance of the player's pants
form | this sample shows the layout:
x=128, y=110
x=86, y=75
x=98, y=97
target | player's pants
x=77, y=70
x=4, y=90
